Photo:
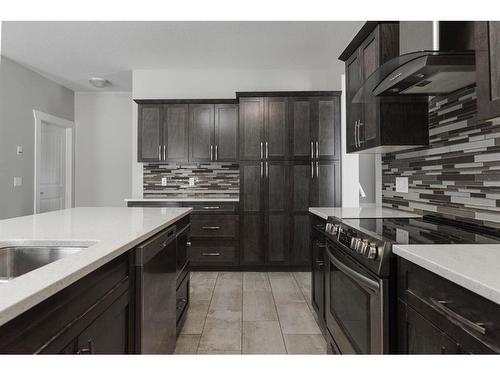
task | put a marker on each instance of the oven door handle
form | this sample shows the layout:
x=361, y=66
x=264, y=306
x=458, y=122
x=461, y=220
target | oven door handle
x=359, y=278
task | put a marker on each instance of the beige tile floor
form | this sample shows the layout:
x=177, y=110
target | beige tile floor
x=250, y=313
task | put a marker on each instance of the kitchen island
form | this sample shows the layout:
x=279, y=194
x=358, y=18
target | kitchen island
x=107, y=237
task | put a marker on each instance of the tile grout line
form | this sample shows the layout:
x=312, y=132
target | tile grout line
x=206, y=315
x=277, y=315
x=305, y=298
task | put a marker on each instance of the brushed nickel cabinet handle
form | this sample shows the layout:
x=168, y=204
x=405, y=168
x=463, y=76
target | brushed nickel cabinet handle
x=267, y=169
x=211, y=152
x=359, y=132
x=317, y=169
x=356, y=133
x=261, y=169
x=159, y=152
x=211, y=228
x=216, y=152
x=210, y=254
x=267, y=150
x=312, y=150
x=317, y=149
x=164, y=152
x=312, y=170
x=211, y=207
x=188, y=244
x=261, y=150
x=444, y=309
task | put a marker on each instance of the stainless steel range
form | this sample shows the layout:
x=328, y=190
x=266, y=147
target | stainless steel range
x=359, y=269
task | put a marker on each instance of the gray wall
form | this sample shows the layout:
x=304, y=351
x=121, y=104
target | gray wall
x=367, y=178
x=21, y=91
x=103, y=172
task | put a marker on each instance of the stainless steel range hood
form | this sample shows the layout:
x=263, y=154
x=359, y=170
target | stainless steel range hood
x=423, y=69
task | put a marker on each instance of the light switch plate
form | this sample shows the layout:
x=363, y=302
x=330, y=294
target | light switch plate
x=19, y=150
x=18, y=181
x=163, y=181
x=191, y=181
x=402, y=184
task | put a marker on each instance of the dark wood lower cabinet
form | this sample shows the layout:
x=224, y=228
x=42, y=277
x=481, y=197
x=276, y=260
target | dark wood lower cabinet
x=300, y=248
x=93, y=315
x=437, y=316
x=252, y=247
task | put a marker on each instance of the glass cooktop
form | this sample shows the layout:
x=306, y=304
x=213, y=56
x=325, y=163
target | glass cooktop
x=426, y=230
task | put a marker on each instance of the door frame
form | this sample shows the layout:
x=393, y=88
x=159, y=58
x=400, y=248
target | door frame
x=41, y=117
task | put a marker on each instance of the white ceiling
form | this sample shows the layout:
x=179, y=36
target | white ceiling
x=71, y=52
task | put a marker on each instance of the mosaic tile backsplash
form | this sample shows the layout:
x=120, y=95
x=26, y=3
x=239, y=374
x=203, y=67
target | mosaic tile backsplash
x=211, y=180
x=458, y=174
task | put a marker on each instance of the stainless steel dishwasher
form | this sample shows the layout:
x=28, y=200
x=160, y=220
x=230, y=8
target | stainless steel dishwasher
x=155, y=270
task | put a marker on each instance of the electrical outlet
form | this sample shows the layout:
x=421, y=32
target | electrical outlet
x=191, y=181
x=18, y=181
x=402, y=184
x=19, y=150
x=163, y=181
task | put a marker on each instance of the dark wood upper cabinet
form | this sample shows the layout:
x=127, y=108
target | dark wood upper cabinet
x=150, y=133
x=276, y=139
x=315, y=127
x=251, y=128
x=226, y=132
x=376, y=126
x=201, y=132
x=487, y=42
x=300, y=115
x=326, y=129
x=175, y=133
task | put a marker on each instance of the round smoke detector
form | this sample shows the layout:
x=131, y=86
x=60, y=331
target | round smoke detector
x=99, y=82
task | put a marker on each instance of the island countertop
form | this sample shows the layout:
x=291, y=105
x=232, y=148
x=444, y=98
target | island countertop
x=111, y=231
x=473, y=267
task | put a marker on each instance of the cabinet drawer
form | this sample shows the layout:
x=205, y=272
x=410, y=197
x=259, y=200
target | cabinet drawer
x=213, y=252
x=467, y=317
x=211, y=207
x=218, y=226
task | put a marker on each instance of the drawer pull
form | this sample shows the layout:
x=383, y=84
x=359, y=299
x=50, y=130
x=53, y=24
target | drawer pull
x=188, y=244
x=441, y=306
x=210, y=228
x=210, y=254
x=211, y=207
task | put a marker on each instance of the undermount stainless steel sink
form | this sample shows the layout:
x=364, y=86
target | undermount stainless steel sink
x=20, y=259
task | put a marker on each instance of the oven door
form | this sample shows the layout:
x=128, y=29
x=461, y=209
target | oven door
x=356, y=305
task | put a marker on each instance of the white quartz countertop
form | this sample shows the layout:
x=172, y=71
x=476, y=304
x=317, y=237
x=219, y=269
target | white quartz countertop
x=182, y=200
x=359, y=212
x=474, y=267
x=113, y=230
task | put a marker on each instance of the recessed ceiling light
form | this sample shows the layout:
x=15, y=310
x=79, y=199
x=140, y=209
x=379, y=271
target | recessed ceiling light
x=99, y=82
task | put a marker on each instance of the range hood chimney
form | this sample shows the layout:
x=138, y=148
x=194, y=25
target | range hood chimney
x=436, y=58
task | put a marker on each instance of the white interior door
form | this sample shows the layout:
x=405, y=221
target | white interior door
x=52, y=167
x=54, y=163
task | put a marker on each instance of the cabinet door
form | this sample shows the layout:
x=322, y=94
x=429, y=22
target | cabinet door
x=226, y=132
x=301, y=127
x=252, y=249
x=251, y=187
x=318, y=276
x=327, y=128
x=201, y=132
x=487, y=68
x=300, y=251
x=302, y=174
x=276, y=214
x=149, y=133
x=276, y=128
x=251, y=128
x=354, y=110
x=369, y=55
x=327, y=184
x=108, y=333
x=422, y=337
x=175, y=132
